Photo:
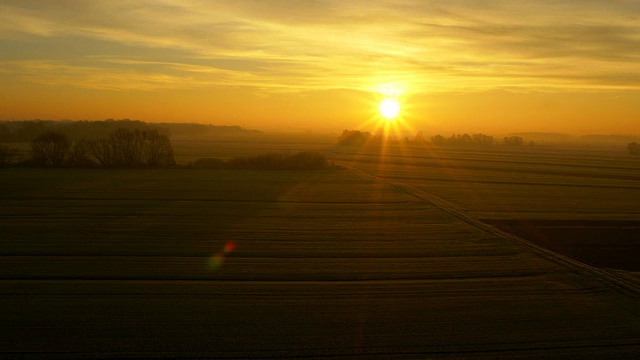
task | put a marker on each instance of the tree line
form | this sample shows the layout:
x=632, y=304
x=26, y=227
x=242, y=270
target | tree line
x=122, y=148
x=359, y=138
x=26, y=131
x=463, y=140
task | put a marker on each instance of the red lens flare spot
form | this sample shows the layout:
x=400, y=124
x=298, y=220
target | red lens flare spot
x=229, y=247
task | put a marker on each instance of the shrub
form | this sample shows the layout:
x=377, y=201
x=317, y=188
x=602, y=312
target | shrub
x=353, y=138
x=309, y=160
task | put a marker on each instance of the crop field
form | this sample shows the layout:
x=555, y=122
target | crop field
x=405, y=252
x=581, y=203
x=224, y=147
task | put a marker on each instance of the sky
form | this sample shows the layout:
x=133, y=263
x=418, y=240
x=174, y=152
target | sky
x=457, y=65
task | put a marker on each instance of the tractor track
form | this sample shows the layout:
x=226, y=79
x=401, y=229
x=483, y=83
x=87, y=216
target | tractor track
x=624, y=285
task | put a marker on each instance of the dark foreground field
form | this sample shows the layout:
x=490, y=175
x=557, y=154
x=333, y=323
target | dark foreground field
x=386, y=258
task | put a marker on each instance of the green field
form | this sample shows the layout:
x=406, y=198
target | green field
x=393, y=256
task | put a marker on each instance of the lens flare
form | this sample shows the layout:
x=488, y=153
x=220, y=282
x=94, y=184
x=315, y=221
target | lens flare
x=229, y=247
x=215, y=262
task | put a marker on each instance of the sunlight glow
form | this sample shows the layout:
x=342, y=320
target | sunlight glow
x=389, y=108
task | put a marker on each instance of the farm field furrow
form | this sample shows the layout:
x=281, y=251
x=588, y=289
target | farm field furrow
x=581, y=217
x=130, y=263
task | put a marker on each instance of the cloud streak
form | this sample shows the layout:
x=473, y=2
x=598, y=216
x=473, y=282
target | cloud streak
x=310, y=45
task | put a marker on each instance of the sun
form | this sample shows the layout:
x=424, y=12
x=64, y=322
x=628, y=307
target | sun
x=389, y=108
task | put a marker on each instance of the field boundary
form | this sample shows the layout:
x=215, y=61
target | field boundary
x=626, y=286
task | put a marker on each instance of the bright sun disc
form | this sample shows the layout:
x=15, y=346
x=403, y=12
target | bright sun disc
x=389, y=108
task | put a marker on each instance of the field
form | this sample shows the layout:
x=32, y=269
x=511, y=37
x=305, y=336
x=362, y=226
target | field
x=581, y=203
x=405, y=252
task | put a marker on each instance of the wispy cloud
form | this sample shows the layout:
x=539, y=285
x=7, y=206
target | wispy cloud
x=296, y=45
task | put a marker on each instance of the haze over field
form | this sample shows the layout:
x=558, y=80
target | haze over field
x=494, y=65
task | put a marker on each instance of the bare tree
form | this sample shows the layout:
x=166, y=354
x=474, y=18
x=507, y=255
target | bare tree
x=157, y=149
x=130, y=148
x=513, y=140
x=50, y=149
x=128, y=145
x=79, y=154
x=102, y=149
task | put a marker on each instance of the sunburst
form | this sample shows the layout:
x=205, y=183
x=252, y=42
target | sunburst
x=389, y=108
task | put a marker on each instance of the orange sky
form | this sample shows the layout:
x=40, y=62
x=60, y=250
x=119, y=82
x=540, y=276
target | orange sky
x=460, y=65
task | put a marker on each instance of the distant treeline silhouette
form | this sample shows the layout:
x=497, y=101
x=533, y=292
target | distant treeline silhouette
x=121, y=148
x=513, y=140
x=634, y=148
x=354, y=138
x=26, y=131
x=306, y=160
x=462, y=140
x=359, y=138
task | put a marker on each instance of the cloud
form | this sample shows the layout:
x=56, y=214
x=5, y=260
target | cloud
x=292, y=45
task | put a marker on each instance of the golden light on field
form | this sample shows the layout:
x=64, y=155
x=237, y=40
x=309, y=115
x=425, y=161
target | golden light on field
x=389, y=108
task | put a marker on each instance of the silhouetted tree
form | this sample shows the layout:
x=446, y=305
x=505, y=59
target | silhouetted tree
x=79, y=154
x=513, y=140
x=50, y=149
x=103, y=150
x=463, y=140
x=482, y=139
x=634, y=148
x=438, y=140
x=157, y=149
x=354, y=138
x=130, y=148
